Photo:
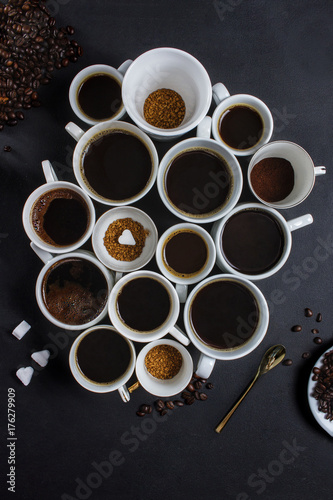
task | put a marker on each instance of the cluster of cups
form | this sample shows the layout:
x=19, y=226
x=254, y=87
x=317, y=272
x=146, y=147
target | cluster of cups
x=177, y=70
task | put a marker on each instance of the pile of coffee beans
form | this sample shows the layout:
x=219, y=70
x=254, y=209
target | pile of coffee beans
x=190, y=395
x=323, y=391
x=31, y=47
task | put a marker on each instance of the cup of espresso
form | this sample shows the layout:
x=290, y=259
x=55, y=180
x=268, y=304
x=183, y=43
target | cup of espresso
x=102, y=360
x=226, y=317
x=144, y=306
x=58, y=216
x=114, y=162
x=242, y=123
x=185, y=254
x=95, y=93
x=254, y=241
x=198, y=179
x=72, y=289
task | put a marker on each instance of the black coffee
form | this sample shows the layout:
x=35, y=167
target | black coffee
x=185, y=253
x=224, y=314
x=74, y=291
x=252, y=241
x=143, y=304
x=198, y=182
x=60, y=217
x=241, y=127
x=99, y=97
x=103, y=356
x=117, y=165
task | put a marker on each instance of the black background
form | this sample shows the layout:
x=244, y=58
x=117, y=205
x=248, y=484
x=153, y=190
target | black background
x=281, y=52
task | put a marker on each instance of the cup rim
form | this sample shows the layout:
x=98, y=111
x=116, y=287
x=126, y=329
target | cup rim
x=279, y=205
x=256, y=338
x=286, y=232
x=83, y=254
x=150, y=129
x=78, y=80
x=90, y=385
x=136, y=335
x=268, y=122
x=33, y=197
x=210, y=144
x=118, y=125
x=211, y=253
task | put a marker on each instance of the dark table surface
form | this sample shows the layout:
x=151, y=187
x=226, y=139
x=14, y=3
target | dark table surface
x=272, y=448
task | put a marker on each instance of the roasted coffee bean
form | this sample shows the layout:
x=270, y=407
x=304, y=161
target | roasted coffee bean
x=170, y=405
x=315, y=331
x=159, y=404
x=296, y=328
x=177, y=402
x=308, y=313
x=305, y=355
x=163, y=412
x=209, y=386
x=145, y=408
x=316, y=371
x=140, y=413
x=186, y=395
x=190, y=387
x=318, y=340
x=319, y=317
x=203, y=380
x=190, y=400
x=287, y=362
x=7, y=149
x=203, y=396
x=196, y=376
x=197, y=385
x=197, y=395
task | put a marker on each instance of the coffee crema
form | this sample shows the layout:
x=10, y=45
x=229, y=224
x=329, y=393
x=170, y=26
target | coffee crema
x=74, y=291
x=252, y=241
x=241, y=127
x=185, y=253
x=60, y=217
x=143, y=304
x=198, y=182
x=224, y=314
x=99, y=96
x=103, y=356
x=116, y=165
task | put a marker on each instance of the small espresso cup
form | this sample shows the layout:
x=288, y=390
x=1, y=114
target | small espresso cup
x=164, y=388
x=118, y=173
x=95, y=93
x=72, y=289
x=226, y=317
x=242, y=123
x=109, y=355
x=305, y=172
x=185, y=254
x=198, y=179
x=254, y=241
x=50, y=194
x=167, y=68
x=144, y=306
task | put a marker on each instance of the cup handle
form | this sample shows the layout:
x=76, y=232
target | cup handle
x=124, y=394
x=182, y=292
x=118, y=276
x=177, y=333
x=205, y=366
x=204, y=128
x=320, y=170
x=74, y=130
x=124, y=67
x=303, y=220
x=220, y=92
x=42, y=254
x=49, y=172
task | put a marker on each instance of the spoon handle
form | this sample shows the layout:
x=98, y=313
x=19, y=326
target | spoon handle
x=236, y=405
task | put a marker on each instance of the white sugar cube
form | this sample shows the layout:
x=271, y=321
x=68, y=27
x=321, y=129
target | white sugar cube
x=21, y=330
x=25, y=374
x=126, y=238
x=41, y=357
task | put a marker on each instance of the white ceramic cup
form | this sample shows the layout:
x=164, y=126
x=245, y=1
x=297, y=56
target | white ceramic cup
x=49, y=261
x=117, y=385
x=173, y=69
x=84, y=75
x=51, y=184
x=93, y=134
x=286, y=227
x=305, y=172
x=224, y=101
x=183, y=282
x=169, y=387
x=203, y=193
x=169, y=325
x=209, y=354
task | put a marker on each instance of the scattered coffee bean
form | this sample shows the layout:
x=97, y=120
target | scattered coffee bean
x=197, y=385
x=145, y=408
x=203, y=380
x=185, y=395
x=318, y=340
x=196, y=376
x=319, y=318
x=203, y=396
x=308, y=312
x=177, y=402
x=315, y=331
x=170, y=405
x=305, y=355
x=159, y=404
x=287, y=362
x=197, y=395
x=316, y=371
x=7, y=149
x=163, y=412
x=140, y=413
x=296, y=328
x=190, y=387
x=190, y=400
x=209, y=385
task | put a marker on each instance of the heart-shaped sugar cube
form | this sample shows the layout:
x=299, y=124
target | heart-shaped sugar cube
x=126, y=238
x=25, y=374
